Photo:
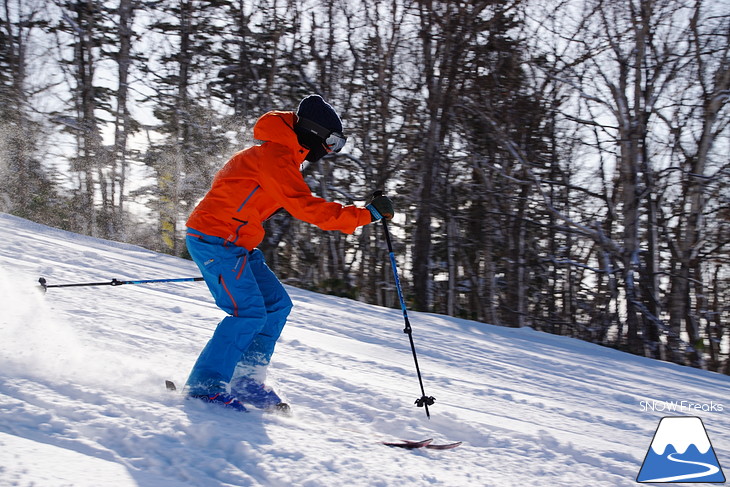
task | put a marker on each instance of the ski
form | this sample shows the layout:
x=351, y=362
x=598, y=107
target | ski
x=409, y=445
x=445, y=446
x=428, y=443
x=283, y=408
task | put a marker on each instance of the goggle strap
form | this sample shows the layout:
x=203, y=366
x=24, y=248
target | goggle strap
x=333, y=139
x=314, y=127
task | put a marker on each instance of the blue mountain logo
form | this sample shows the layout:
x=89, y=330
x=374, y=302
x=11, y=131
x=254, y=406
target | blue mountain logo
x=681, y=452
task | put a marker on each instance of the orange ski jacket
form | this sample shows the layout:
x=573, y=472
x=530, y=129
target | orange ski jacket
x=258, y=181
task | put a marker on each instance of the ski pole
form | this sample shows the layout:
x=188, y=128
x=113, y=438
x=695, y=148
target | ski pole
x=116, y=282
x=424, y=401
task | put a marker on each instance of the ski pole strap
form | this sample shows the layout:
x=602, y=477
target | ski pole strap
x=374, y=212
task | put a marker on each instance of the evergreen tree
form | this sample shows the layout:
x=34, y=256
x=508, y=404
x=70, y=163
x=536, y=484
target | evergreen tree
x=193, y=128
x=26, y=189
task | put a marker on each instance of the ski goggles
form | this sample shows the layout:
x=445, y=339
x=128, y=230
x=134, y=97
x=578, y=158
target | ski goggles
x=332, y=141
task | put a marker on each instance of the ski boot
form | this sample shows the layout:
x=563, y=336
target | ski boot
x=258, y=395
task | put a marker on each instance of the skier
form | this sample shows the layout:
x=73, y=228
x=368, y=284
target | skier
x=225, y=228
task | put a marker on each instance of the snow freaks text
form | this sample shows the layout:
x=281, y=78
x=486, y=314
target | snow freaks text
x=681, y=406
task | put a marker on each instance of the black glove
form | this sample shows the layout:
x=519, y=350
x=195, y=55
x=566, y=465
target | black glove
x=380, y=206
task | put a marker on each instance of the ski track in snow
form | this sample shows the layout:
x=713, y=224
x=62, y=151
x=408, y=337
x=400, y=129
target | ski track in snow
x=83, y=403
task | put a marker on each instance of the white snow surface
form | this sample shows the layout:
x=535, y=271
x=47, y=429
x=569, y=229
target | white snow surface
x=83, y=402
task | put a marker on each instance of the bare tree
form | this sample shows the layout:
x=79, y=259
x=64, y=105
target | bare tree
x=26, y=188
x=633, y=69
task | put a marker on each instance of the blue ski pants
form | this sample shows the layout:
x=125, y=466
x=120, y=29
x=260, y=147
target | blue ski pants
x=257, y=305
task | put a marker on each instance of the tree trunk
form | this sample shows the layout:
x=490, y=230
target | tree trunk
x=122, y=119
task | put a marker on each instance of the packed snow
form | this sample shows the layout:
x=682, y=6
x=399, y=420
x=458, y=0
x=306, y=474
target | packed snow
x=83, y=402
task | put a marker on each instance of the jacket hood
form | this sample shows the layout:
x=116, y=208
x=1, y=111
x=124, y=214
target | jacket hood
x=278, y=127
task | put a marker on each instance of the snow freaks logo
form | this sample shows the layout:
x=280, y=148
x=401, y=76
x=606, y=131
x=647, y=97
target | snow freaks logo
x=682, y=407
x=681, y=452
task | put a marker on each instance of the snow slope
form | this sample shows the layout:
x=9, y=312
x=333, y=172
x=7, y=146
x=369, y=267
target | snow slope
x=82, y=399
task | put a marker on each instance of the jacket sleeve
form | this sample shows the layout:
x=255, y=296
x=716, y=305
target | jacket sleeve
x=281, y=179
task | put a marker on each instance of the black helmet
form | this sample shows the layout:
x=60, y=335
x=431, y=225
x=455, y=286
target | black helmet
x=318, y=127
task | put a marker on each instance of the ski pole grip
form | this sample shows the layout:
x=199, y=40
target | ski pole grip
x=373, y=211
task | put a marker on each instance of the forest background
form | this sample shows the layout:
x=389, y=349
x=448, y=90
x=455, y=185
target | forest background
x=558, y=164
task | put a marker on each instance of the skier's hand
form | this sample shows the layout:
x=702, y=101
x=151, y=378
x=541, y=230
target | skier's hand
x=380, y=206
